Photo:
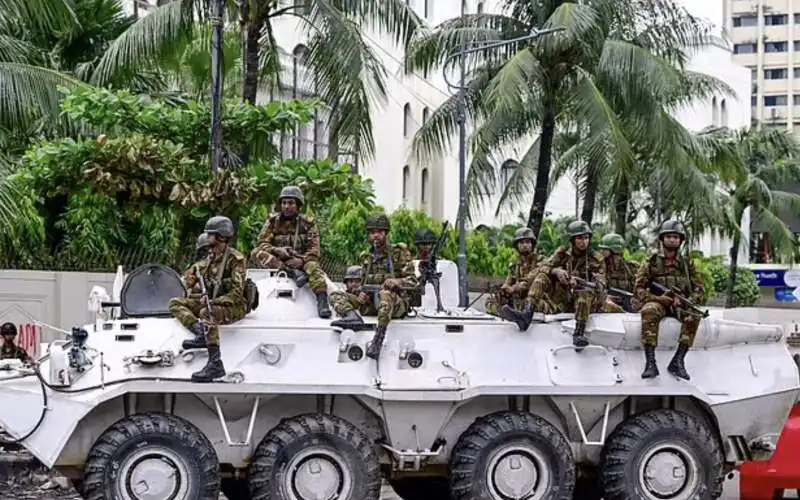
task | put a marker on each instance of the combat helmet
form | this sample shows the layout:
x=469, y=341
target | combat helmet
x=524, y=233
x=424, y=237
x=613, y=242
x=377, y=221
x=352, y=273
x=202, y=241
x=219, y=225
x=8, y=328
x=672, y=226
x=578, y=228
x=293, y=192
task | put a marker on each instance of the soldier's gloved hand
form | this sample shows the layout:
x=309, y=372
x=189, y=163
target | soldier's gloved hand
x=280, y=252
x=507, y=289
x=295, y=263
x=392, y=284
x=364, y=298
x=676, y=303
x=664, y=301
x=562, y=276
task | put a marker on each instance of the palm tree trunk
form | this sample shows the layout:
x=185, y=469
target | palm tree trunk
x=590, y=198
x=621, y=196
x=730, y=298
x=253, y=25
x=536, y=214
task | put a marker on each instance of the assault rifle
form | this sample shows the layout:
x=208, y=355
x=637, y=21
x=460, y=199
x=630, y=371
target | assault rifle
x=584, y=285
x=374, y=292
x=204, y=292
x=659, y=289
x=624, y=296
x=429, y=269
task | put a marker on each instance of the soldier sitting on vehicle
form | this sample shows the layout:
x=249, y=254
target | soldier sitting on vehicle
x=620, y=275
x=390, y=267
x=677, y=276
x=223, y=275
x=515, y=289
x=203, y=248
x=290, y=241
x=352, y=301
x=573, y=279
x=425, y=241
x=10, y=350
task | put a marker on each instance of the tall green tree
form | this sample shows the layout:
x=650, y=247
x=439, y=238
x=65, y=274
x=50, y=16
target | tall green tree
x=612, y=76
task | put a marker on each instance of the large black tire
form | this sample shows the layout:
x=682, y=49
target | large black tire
x=315, y=444
x=159, y=445
x=504, y=439
x=645, y=456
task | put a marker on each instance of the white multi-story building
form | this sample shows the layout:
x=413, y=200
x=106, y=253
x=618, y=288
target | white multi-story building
x=400, y=181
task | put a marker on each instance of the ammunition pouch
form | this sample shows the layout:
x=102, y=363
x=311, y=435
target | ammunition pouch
x=250, y=295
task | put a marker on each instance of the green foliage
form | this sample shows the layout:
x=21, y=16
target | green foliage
x=745, y=289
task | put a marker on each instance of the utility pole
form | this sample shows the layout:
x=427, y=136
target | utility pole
x=216, y=18
x=461, y=118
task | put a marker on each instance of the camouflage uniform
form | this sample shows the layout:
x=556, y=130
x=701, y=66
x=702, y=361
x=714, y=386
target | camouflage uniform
x=300, y=234
x=10, y=350
x=520, y=275
x=228, y=303
x=548, y=295
x=195, y=291
x=347, y=303
x=679, y=272
x=620, y=274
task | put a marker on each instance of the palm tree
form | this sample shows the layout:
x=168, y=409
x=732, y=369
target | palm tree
x=611, y=76
x=348, y=76
x=767, y=164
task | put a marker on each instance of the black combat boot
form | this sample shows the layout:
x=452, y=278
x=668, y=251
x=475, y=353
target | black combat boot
x=375, y=346
x=650, y=367
x=676, y=366
x=579, y=339
x=523, y=318
x=322, y=305
x=300, y=278
x=214, y=368
x=199, y=340
x=351, y=319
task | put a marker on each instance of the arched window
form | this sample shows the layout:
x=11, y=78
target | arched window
x=480, y=8
x=406, y=119
x=723, y=113
x=507, y=170
x=425, y=115
x=406, y=181
x=424, y=186
x=714, y=112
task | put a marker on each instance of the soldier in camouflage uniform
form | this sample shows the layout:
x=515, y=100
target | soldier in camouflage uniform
x=203, y=247
x=670, y=269
x=390, y=266
x=352, y=302
x=224, y=272
x=425, y=241
x=291, y=241
x=555, y=289
x=520, y=273
x=10, y=350
x=620, y=273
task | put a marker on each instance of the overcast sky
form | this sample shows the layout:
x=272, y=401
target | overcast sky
x=709, y=9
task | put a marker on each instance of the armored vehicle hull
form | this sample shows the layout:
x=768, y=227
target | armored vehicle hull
x=303, y=414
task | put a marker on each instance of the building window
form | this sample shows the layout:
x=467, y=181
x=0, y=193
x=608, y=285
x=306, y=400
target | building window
x=406, y=119
x=480, y=8
x=776, y=74
x=424, y=186
x=745, y=21
x=776, y=19
x=775, y=100
x=754, y=100
x=745, y=48
x=723, y=113
x=797, y=45
x=776, y=47
x=507, y=171
x=425, y=115
x=427, y=8
x=406, y=179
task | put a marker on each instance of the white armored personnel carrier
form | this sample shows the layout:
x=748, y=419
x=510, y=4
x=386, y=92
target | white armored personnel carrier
x=304, y=415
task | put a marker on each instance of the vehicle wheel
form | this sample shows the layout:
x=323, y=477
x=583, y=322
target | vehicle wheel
x=315, y=456
x=152, y=456
x=661, y=455
x=512, y=455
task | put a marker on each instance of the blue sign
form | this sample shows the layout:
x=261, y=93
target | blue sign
x=784, y=294
x=770, y=277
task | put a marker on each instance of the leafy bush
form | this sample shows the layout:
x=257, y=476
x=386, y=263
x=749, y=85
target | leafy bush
x=745, y=289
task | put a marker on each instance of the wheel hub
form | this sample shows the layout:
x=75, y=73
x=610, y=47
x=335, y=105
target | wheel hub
x=667, y=472
x=516, y=473
x=152, y=475
x=318, y=476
